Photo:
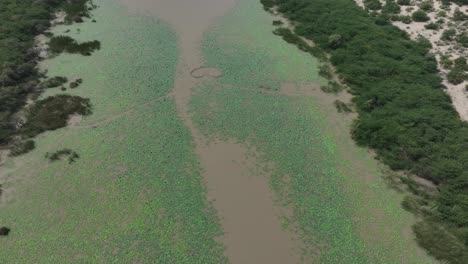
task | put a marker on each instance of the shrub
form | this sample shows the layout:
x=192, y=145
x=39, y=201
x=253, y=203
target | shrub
x=432, y=26
x=59, y=44
x=463, y=39
x=59, y=154
x=277, y=23
x=441, y=13
x=448, y=34
x=332, y=87
x=446, y=62
x=4, y=231
x=373, y=4
x=426, y=6
x=404, y=2
x=461, y=63
x=391, y=7
x=442, y=244
x=459, y=15
x=75, y=10
x=22, y=147
x=457, y=76
x=420, y=16
x=55, y=82
x=53, y=113
x=406, y=19
x=325, y=71
x=342, y=107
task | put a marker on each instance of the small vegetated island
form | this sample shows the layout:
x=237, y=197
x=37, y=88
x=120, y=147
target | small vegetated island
x=404, y=113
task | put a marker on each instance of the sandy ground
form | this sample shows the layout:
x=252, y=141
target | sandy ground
x=458, y=93
x=244, y=201
x=41, y=40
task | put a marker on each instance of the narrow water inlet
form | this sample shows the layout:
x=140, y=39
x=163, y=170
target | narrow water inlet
x=253, y=232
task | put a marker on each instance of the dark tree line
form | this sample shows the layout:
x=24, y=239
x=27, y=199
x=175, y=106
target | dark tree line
x=404, y=114
x=20, y=22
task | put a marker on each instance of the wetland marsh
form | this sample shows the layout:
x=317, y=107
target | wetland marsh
x=210, y=142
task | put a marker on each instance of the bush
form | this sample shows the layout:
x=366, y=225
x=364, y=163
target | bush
x=59, y=154
x=4, y=231
x=372, y=4
x=325, y=71
x=75, y=10
x=53, y=113
x=332, y=87
x=404, y=2
x=22, y=147
x=441, y=244
x=448, y=34
x=391, y=7
x=59, y=44
x=342, y=107
x=76, y=83
x=426, y=6
x=420, y=16
x=456, y=76
x=463, y=39
x=459, y=15
x=406, y=19
x=277, y=23
x=432, y=26
x=55, y=82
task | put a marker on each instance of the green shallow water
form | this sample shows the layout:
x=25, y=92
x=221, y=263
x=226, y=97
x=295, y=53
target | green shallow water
x=135, y=195
x=334, y=209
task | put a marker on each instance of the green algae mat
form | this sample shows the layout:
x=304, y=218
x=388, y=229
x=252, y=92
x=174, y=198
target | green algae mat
x=135, y=195
x=332, y=212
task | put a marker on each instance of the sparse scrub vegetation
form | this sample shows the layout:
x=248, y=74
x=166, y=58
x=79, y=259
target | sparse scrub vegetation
x=59, y=154
x=332, y=87
x=76, y=83
x=449, y=34
x=342, y=107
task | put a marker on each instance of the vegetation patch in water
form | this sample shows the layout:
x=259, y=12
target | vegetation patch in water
x=59, y=154
x=55, y=82
x=53, y=113
x=59, y=44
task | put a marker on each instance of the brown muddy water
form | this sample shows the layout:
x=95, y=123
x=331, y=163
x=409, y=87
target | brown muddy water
x=244, y=201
